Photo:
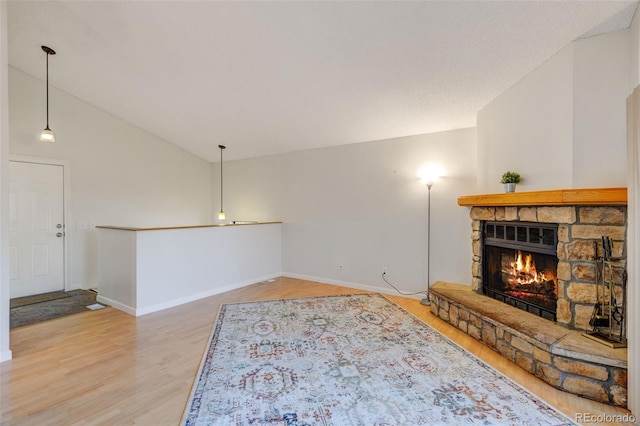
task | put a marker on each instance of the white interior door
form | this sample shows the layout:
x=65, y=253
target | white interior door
x=36, y=238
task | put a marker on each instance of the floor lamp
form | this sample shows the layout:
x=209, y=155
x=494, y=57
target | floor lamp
x=427, y=300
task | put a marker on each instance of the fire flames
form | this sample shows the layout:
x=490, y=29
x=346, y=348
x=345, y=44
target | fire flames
x=522, y=271
x=522, y=279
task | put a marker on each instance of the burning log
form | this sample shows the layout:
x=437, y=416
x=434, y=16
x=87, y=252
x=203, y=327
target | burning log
x=521, y=275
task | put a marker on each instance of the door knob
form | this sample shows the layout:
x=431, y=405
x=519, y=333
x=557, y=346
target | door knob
x=59, y=226
x=59, y=234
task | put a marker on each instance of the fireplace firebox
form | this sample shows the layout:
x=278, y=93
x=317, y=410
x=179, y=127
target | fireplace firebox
x=520, y=265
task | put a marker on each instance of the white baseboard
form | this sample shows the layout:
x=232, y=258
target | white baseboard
x=114, y=303
x=383, y=290
x=182, y=300
x=5, y=355
x=186, y=299
x=202, y=295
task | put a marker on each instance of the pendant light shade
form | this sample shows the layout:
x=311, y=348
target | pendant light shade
x=221, y=215
x=47, y=135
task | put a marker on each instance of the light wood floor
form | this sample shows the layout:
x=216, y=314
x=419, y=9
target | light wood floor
x=107, y=367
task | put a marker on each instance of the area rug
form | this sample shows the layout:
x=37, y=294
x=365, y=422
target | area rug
x=75, y=302
x=348, y=360
x=37, y=298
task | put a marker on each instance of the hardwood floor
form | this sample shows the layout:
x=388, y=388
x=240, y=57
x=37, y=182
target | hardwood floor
x=107, y=367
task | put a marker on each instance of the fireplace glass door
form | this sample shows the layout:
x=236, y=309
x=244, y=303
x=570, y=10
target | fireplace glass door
x=520, y=266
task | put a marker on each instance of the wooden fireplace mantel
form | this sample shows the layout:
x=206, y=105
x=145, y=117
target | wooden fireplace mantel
x=556, y=197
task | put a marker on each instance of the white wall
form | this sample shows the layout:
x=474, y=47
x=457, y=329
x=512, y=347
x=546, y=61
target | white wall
x=634, y=52
x=120, y=174
x=253, y=188
x=362, y=206
x=562, y=126
x=147, y=271
x=600, y=89
x=206, y=261
x=528, y=129
x=5, y=352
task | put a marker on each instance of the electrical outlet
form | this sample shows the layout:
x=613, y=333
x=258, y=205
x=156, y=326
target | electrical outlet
x=385, y=270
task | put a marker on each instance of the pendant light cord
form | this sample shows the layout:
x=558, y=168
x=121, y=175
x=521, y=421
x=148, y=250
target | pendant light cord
x=49, y=51
x=222, y=147
x=47, y=90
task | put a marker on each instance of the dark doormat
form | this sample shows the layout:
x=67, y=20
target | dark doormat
x=37, y=298
x=77, y=301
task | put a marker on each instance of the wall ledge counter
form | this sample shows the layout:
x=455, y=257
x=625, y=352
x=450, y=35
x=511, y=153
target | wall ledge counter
x=151, y=269
x=165, y=228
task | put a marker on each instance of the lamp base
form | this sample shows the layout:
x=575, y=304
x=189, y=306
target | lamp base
x=426, y=301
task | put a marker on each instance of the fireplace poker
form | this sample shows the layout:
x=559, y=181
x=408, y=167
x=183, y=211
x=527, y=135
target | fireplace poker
x=612, y=295
x=598, y=318
x=616, y=311
x=623, y=319
x=606, y=247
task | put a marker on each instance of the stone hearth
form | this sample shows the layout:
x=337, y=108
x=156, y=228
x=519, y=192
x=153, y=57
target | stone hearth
x=561, y=357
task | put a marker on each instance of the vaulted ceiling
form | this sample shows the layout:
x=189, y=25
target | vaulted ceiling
x=271, y=77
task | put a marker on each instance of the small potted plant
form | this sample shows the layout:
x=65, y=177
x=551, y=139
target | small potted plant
x=510, y=179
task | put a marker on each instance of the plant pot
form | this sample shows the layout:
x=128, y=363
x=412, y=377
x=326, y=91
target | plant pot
x=509, y=187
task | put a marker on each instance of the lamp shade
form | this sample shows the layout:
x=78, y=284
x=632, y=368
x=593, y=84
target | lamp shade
x=430, y=173
x=47, y=136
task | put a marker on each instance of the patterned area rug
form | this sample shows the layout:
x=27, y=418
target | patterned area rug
x=348, y=360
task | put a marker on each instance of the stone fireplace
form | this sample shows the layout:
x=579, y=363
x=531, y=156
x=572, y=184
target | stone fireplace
x=561, y=232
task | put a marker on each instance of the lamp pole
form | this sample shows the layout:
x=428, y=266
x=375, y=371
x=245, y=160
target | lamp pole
x=427, y=300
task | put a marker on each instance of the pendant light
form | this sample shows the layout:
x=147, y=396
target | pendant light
x=47, y=134
x=221, y=215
